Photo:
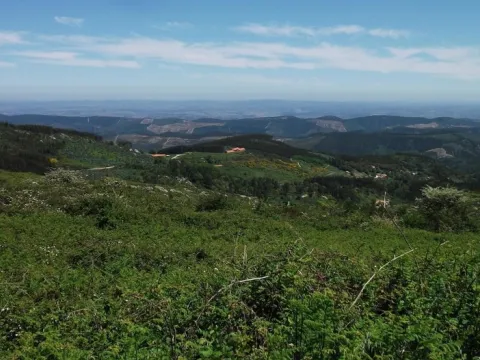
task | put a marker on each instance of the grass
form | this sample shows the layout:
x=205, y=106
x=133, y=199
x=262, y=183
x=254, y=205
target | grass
x=8, y=178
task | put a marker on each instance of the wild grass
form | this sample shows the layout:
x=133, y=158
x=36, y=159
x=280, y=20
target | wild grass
x=118, y=270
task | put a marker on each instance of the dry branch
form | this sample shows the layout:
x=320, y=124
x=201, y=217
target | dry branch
x=226, y=288
x=375, y=274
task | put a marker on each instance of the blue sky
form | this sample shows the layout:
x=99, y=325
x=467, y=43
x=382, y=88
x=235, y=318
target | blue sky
x=217, y=49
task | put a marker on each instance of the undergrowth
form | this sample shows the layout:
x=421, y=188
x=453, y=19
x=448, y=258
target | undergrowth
x=108, y=269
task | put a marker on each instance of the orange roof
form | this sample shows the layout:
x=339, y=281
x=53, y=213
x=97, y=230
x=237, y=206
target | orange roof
x=236, y=149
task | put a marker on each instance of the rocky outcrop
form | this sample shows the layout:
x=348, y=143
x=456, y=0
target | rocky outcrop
x=334, y=125
x=439, y=153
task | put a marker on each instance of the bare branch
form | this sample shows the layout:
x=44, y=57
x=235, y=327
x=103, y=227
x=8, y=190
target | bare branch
x=226, y=288
x=375, y=274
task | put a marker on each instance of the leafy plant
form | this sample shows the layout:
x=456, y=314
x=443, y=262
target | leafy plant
x=445, y=208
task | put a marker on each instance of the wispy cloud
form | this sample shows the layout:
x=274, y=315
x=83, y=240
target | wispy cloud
x=129, y=52
x=173, y=51
x=10, y=38
x=290, y=31
x=70, y=21
x=251, y=79
x=5, y=64
x=174, y=25
x=445, y=54
x=74, y=59
x=47, y=55
x=389, y=33
x=264, y=55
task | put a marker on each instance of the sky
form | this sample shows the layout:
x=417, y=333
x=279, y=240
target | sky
x=325, y=50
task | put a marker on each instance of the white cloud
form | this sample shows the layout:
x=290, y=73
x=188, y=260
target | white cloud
x=251, y=79
x=174, y=25
x=73, y=39
x=277, y=55
x=198, y=54
x=97, y=63
x=446, y=54
x=47, y=55
x=65, y=20
x=10, y=38
x=342, y=29
x=79, y=50
x=290, y=31
x=4, y=64
x=73, y=59
x=389, y=33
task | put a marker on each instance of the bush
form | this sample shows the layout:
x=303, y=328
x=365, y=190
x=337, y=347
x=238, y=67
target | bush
x=59, y=176
x=100, y=207
x=213, y=203
x=445, y=209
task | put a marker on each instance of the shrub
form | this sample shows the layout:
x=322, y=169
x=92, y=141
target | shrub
x=53, y=161
x=63, y=176
x=100, y=207
x=445, y=208
x=213, y=203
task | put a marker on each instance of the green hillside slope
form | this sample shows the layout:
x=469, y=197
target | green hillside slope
x=111, y=269
x=460, y=147
x=264, y=257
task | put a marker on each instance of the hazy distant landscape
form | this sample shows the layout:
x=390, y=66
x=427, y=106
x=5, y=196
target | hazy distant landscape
x=191, y=110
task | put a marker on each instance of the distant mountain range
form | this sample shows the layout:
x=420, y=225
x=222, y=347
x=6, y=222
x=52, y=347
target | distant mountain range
x=165, y=132
x=450, y=139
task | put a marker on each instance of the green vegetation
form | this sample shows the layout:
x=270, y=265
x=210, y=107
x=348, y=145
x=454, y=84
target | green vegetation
x=180, y=259
x=461, y=146
x=31, y=147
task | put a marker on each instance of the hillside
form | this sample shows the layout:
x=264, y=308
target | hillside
x=114, y=253
x=34, y=148
x=456, y=147
x=342, y=176
x=381, y=122
x=266, y=256
x=268, y=168
x=151, y=133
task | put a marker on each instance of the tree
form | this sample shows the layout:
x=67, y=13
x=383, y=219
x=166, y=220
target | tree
x=445, y=208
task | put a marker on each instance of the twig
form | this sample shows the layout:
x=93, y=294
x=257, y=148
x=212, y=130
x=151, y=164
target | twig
x=307, y=254
x=375, y=273
x=400, y=230
x=226, y=288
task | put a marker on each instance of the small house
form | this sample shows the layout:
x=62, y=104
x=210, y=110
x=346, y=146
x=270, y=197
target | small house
x=235, y=150
x=381, y=176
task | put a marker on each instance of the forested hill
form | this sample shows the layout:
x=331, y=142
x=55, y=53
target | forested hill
x=460, y=146
x=382, y=122
x=33, y=148
x=264, y=144
x=280, y=126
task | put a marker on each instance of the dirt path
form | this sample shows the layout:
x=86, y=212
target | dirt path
x=101, y=168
